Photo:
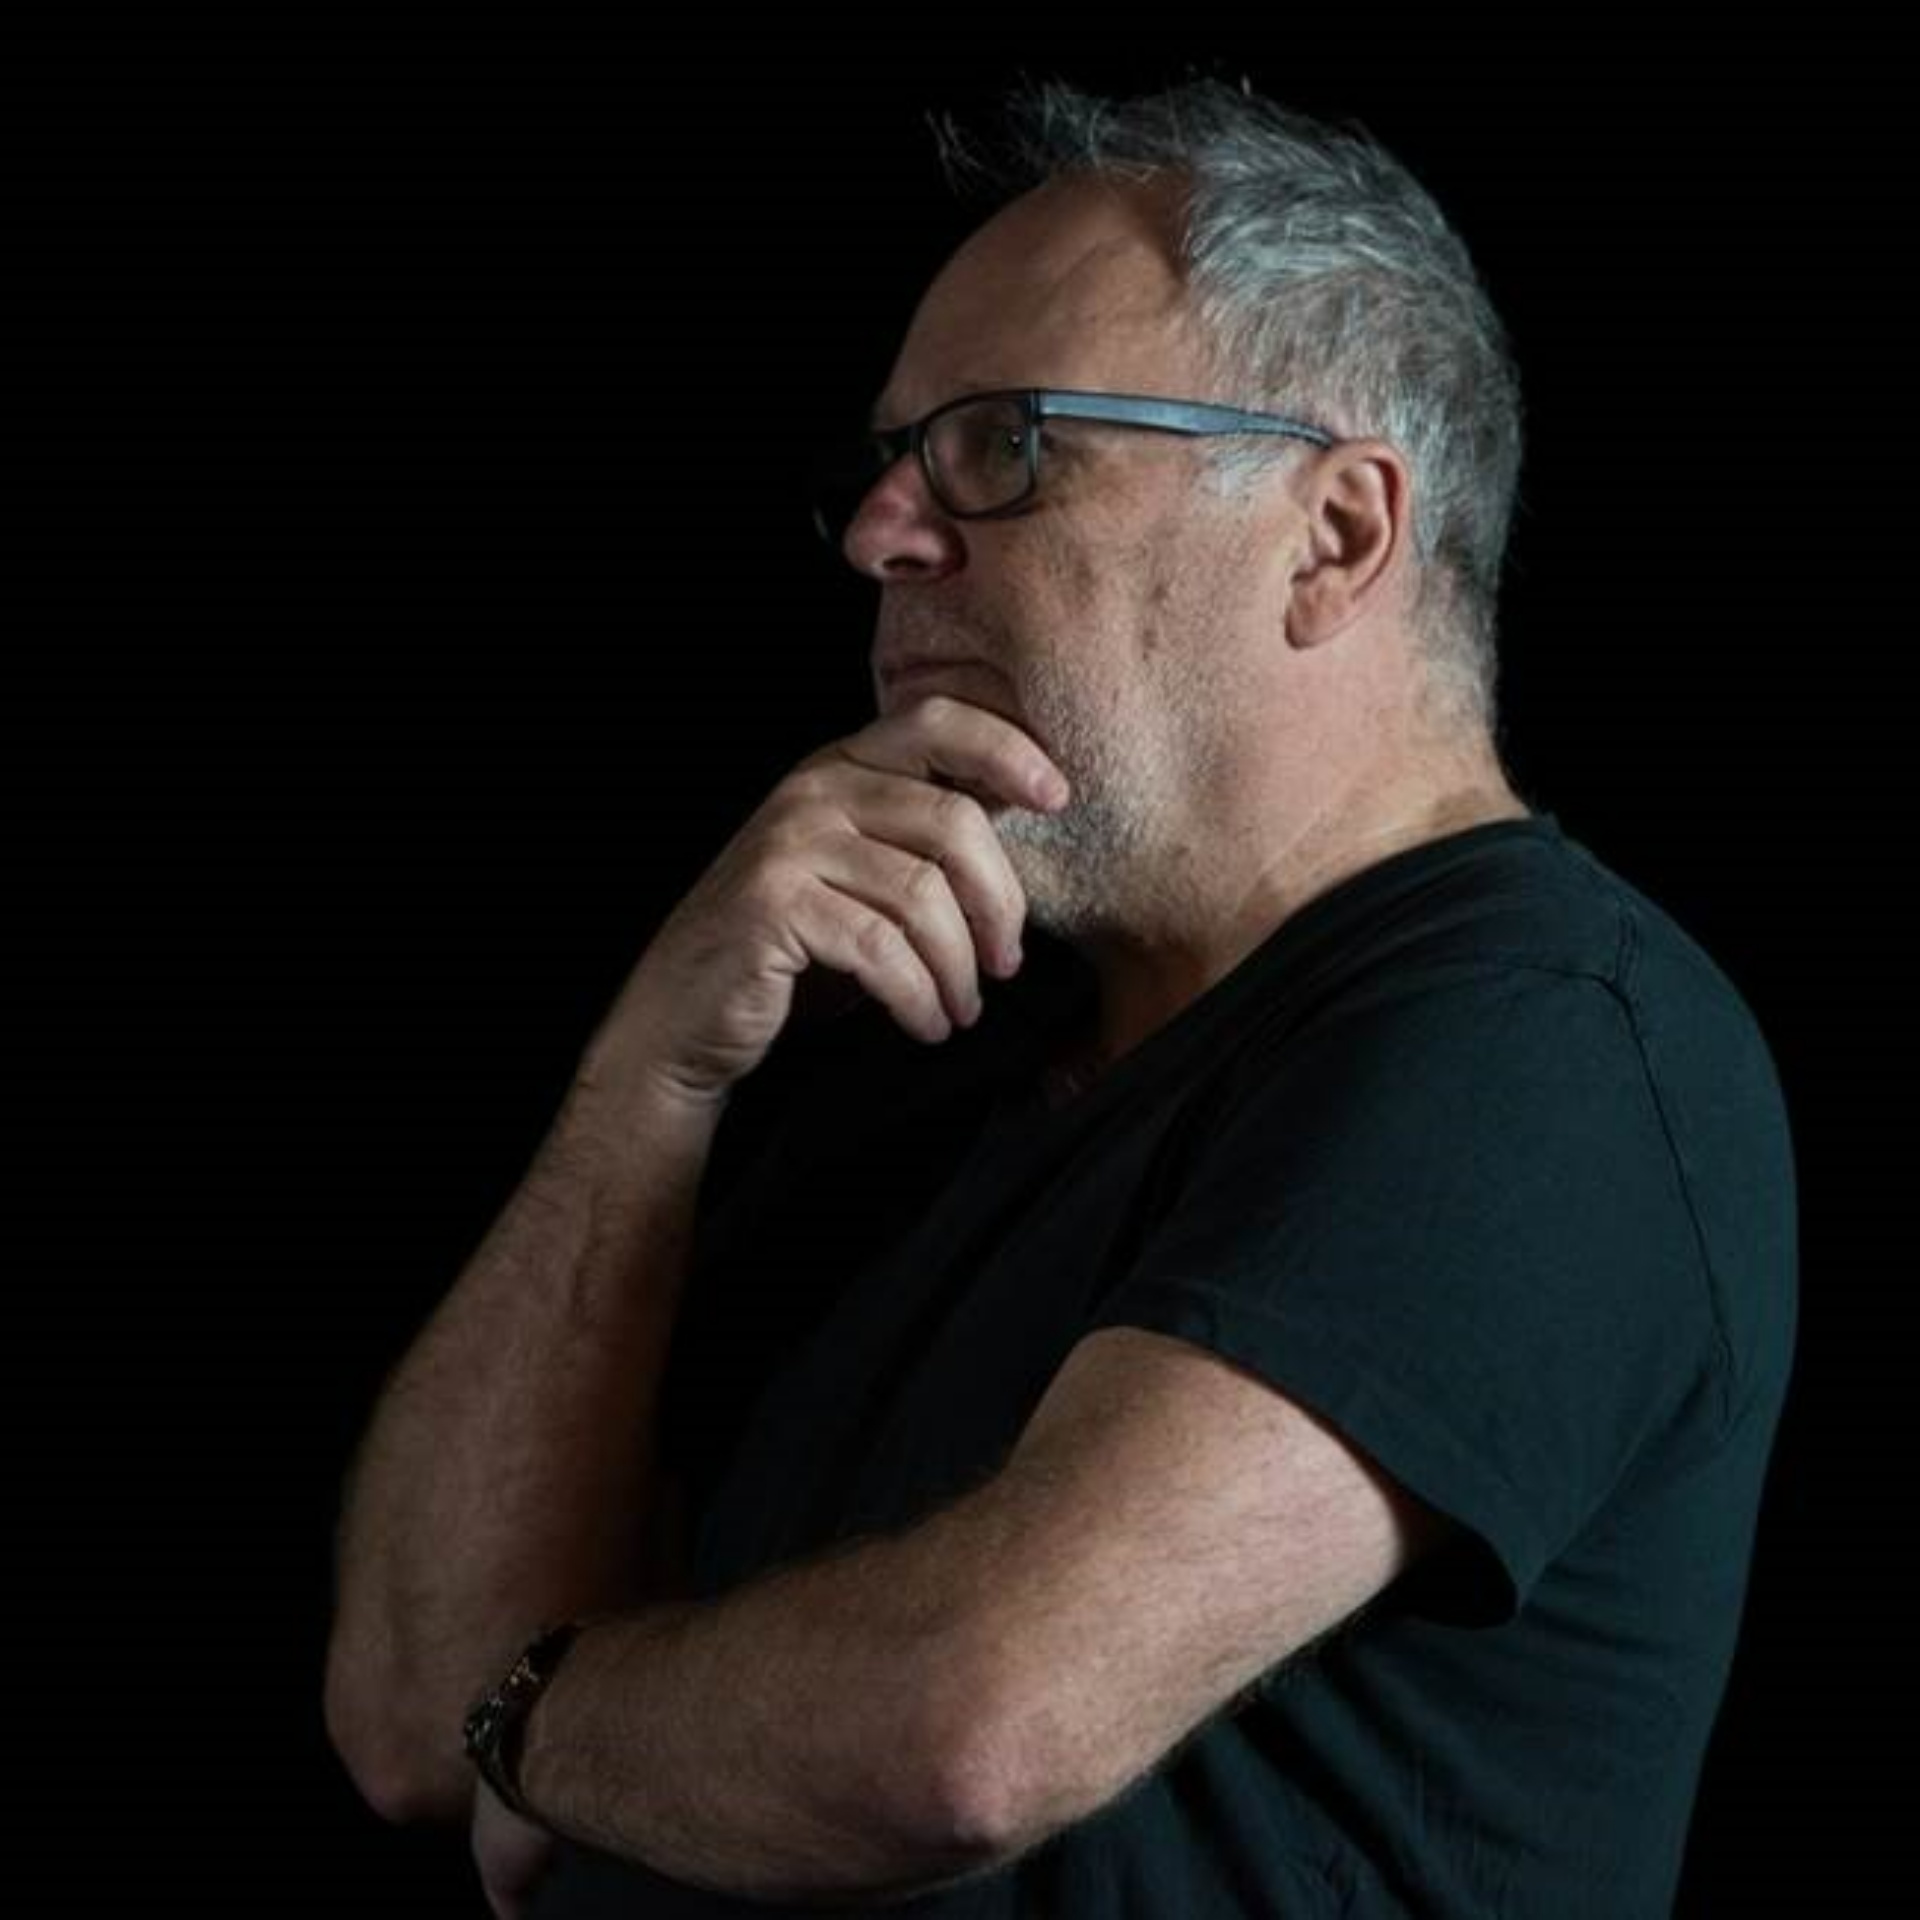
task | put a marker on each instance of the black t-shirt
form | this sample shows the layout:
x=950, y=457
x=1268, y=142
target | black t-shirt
x=1479, y=1158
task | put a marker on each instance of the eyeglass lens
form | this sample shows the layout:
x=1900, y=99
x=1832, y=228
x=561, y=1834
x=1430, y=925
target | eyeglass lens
x=976, y=449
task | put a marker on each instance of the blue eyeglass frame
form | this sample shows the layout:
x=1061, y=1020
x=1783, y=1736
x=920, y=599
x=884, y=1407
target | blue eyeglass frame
x=1152, y=412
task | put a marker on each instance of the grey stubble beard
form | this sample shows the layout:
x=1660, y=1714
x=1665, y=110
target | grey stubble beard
x=1079, y=866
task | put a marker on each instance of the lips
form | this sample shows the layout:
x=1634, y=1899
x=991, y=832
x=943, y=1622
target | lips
x=913, y=654
x=900, y=673
x=903, y=680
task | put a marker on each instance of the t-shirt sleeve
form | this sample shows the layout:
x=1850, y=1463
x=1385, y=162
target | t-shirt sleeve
x=1449, y=1223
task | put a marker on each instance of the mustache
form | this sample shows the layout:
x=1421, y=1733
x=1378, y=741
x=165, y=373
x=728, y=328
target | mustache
x=918, y=631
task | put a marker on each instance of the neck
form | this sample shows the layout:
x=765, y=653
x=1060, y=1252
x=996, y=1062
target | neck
x=1222, y=909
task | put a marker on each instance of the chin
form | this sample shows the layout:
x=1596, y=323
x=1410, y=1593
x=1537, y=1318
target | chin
x=1051, y=875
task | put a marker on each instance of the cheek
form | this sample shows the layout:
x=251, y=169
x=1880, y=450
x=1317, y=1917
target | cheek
x=1062, y=562
x=1071, y=599
x=1108, y=589
x=1171, y=600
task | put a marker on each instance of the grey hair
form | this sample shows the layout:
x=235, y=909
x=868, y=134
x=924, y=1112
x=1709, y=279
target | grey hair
x=1330, y=286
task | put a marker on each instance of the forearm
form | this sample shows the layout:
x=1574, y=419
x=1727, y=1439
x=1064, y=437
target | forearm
x=506, y=1470
x=807, y=1736
x=505, y=1474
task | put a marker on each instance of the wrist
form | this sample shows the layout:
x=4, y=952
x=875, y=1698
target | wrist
x=630, y=1068
x=625, y=1094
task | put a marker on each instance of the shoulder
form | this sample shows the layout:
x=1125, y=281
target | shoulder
x=1455, y=927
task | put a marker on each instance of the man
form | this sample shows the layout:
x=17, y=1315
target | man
x=1263, y=1409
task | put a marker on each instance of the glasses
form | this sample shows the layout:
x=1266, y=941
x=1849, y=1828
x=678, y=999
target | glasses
x=981, y=453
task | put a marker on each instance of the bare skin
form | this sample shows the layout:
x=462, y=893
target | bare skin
x=509, y=1460
x=1228, y=683
x=877, y=859
x=1154, y=718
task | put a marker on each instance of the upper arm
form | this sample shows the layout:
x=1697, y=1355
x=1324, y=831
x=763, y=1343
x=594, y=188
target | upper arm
x=1169, y=1528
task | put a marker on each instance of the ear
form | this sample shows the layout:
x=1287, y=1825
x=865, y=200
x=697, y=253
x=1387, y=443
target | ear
x=1357, y=500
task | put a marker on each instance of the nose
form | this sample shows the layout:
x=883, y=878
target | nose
x=898, y=531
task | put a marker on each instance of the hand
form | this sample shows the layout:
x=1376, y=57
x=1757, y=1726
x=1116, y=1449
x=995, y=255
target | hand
x=512, y=1854
x=876, y=857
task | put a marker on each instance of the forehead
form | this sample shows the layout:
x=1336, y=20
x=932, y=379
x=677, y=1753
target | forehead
x=1076, y=284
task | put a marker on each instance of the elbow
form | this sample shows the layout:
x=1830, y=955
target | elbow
x=996, y=1791
x=970, y=1816
x=402, y=1777
x=396, y=1782
x=403, y=1797
x=924, y=1796
x=1021, y=1758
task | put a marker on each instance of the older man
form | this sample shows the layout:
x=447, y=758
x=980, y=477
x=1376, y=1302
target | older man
x=1263, y=1412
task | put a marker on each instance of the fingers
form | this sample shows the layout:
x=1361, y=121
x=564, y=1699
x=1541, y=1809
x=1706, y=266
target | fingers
x=909, y=849
x=940, y=738
x=903, y=883
x=960, y=762
x=926, y=987
x=511, y=1854
x=876, y=858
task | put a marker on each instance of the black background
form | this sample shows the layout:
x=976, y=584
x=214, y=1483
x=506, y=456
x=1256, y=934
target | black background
x=418, y=590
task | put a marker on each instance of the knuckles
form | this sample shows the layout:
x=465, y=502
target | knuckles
x=877, y=939
x=954, y=809
x=924, y=879
x=811, y=783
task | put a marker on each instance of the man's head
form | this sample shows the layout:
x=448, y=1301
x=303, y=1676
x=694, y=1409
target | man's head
x=1155, y=591
x=1323, y=279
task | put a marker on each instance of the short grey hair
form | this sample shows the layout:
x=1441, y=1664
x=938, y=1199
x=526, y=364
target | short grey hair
x=1333, y=288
